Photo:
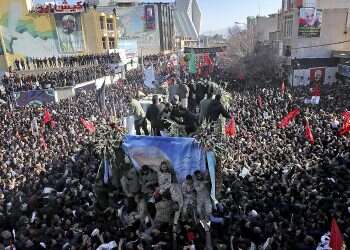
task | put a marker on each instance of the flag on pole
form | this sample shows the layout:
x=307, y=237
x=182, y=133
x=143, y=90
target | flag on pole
x=283, y=88
x=336, y=242
x=260, y=102
x=101, y=96
x=88, y=125
x=308, y=133
x=346, y=123
x=288, y=118
x=47, y=117
x=149, y=77
x=192, y=68
x=230, y=129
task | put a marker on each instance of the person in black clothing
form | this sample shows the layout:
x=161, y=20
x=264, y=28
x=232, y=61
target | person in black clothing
x=201, y=90
x=153, y=114
x=216, y=109
x=190, y=120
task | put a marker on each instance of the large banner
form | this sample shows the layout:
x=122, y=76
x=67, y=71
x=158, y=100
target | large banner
x=185, y=154
x=150, y=18
x=310, y=21
x=34, y=97
x=69, y=32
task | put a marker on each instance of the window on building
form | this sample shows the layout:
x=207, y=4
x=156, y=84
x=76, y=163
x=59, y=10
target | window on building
x=104, y=43
x=109, y=24
x=111, y=42
x=102, y=23
x=288, y=26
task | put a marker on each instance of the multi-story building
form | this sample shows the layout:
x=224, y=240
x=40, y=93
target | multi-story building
x=310, y=32
x=144, y=28
x=47, y=30
x=188, y=17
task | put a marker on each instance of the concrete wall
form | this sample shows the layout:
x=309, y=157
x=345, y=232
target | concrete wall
x=332, y=31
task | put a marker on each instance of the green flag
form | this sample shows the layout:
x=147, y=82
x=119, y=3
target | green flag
x=192, y=63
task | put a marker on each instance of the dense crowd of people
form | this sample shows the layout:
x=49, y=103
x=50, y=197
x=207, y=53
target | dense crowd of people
x=279, y=191
x=54, y=79
x=30, y=63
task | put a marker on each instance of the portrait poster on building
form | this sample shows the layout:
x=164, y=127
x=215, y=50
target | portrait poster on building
x=317, y=75
x=69, y=32
x=150, y=18
x=310, y=22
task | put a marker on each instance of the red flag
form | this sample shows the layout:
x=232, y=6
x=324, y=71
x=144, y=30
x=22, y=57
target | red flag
x=230, y=129
x=283, y=88
x=42, y=142
x=336, y=241
x=88, y=125
x=316, y=91
x=47, y=117
x=288, y=118
x=207, y=59
x=346, y=123
x=260, y=102
x=308, y=133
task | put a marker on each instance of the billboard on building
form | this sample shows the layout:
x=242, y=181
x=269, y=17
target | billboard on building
x=150, y=18
x=135, y=25
x=69, y=32
x=310, y=22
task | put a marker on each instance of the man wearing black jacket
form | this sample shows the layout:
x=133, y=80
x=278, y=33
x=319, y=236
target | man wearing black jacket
x=153, y=114
x=216, y=109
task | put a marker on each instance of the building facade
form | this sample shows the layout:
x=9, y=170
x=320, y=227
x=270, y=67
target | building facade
x=310, y=30
x=144, y=28
x=47, y=31
x=187, y=17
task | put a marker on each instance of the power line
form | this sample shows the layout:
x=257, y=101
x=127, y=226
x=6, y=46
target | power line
x=322, y=45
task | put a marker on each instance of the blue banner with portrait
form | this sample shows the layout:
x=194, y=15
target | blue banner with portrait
x=34, y=97
x=185, y=154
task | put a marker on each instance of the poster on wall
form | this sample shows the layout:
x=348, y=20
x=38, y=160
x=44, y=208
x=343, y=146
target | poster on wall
x=310, y=21
x=317, y=75
x=69, y=32
x=150, y=18
x=131, y=22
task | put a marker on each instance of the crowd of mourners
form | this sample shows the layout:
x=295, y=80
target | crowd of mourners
x=54, y=79
x=31, y=63
x=279, y=191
